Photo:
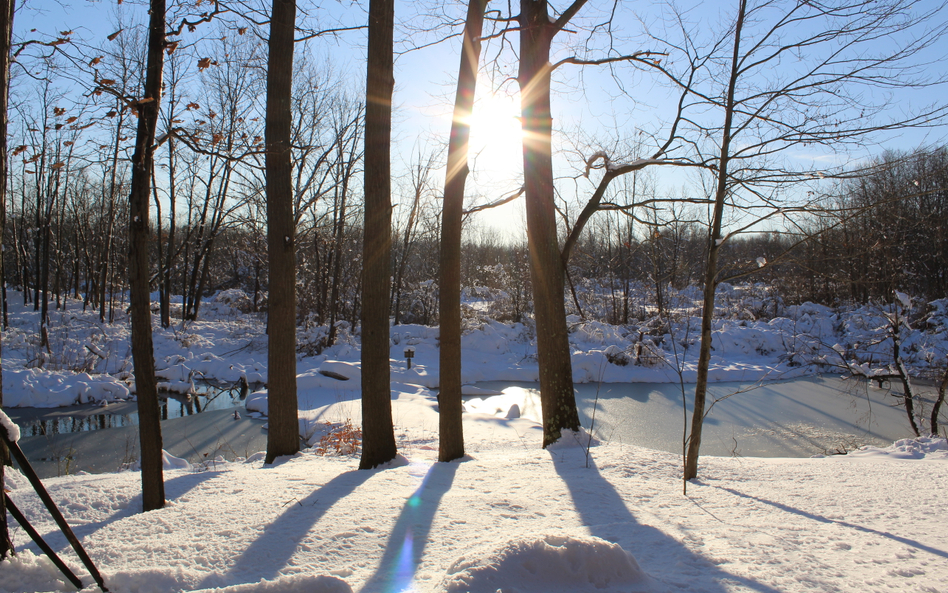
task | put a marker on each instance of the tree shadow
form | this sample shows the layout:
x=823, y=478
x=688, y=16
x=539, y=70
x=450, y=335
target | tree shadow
x=267, y=555
x=606, y=516
x=396, y=569
x=822, y=519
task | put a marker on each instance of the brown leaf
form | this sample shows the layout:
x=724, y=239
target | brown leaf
x=114, y=35
x=112, y=113
x=68, y=143
x=204, y=63
x=19, y=149
x=65, y=33
x=71, y=119
x=94, y=61
x=144, y=100
x=106, y=81
x=58, y=165
x=192, y=105
x=171, y=47
x=241, y=30
x=217, y=138
x=57, y=111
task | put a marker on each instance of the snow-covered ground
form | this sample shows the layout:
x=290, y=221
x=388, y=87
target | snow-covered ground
x=510, y=516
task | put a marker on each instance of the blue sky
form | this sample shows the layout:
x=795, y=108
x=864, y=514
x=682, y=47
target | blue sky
x=592, y=109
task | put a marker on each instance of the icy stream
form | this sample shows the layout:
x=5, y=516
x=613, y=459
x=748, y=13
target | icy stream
x=794, y=418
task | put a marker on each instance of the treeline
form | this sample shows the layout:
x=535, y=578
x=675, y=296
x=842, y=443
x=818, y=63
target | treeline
x=67, y=238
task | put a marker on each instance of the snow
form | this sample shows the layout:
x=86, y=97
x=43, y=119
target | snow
x=509, y=516
x=583, y=516
x=13, y=431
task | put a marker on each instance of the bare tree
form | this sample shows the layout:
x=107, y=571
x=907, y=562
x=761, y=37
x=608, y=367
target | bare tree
x=787, y=75
x=451, y=436
x=537, y=30
x=6, y=38
x=283, y=435
x=146, y=386
x=378, y=432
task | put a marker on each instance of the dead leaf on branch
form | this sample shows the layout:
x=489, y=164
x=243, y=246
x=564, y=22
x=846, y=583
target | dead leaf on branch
x=205, y=63
x=114, y=35
x=19, y=149
x=57, y=111
x=58, y=165
x=107, y=82
x=169, y=49
x=71, y=119
x=94, y=61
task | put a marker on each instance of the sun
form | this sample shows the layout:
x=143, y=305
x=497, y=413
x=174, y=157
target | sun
x=496, y=136
x=496, y=119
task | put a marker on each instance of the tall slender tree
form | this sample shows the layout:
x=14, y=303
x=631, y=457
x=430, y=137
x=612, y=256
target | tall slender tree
x=6, y=39
x=451, y=436
x=139, y=235
x=283, y=435
x=378, y=444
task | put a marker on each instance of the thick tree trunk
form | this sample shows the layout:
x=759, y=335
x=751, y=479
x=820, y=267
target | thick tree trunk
x=546, y=267
x=378, y=444
x=283, y=436
x=451, y=436
x=153, y=489
x=6, y=32
x=711, y=269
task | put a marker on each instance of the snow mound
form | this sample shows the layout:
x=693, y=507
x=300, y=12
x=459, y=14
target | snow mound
x=513, y=402
x=168, y=462
x=52, y=389
x=552, y=564
x=920, y=448
x=27, y=572
x=570, y=439
x=294, y=584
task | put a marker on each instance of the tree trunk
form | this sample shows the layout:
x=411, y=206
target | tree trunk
x=153, y=489
x=6, y=32
x=936, y=407
x=283, y=436
x=378, y=445
x=450, y=431
x=546, y=266
x=711, y=269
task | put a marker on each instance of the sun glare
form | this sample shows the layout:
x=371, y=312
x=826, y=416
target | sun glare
x=496, y=119
x=496, y=157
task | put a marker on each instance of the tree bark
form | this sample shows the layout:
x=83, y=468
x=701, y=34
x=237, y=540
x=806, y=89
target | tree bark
x=939, y=400
x=450, y=430
x=546, y=269
x=6, y=35
x=153, y=489
x=378, y=444
x=283, y=435
x=711, y=268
